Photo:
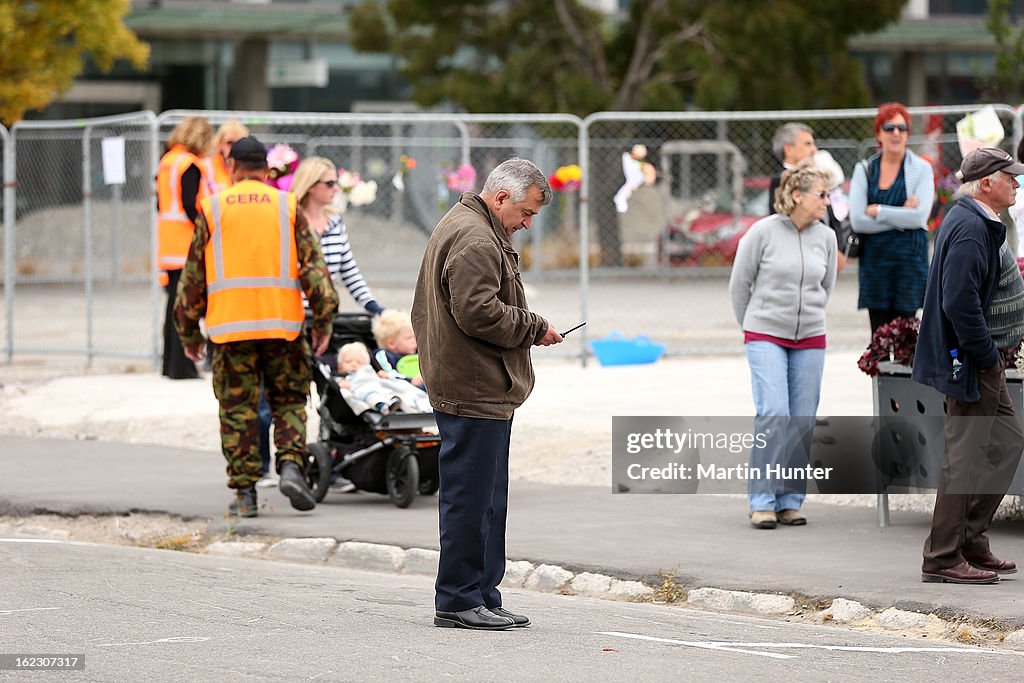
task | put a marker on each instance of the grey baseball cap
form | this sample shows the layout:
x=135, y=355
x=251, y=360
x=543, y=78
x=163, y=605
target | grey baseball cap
x=986, y=161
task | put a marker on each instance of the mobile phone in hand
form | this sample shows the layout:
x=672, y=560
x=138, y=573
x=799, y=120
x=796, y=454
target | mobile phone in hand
x=573, y=329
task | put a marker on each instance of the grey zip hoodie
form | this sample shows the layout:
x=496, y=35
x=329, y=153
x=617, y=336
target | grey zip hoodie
x=782, y=278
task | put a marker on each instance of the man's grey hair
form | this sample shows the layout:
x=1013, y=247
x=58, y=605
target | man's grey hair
x=516, y=176
x=972, y=187
x=786, y=135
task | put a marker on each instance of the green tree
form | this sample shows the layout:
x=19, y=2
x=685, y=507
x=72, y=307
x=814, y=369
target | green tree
x=43, y=43
x=558, y=55
x=1008, y=81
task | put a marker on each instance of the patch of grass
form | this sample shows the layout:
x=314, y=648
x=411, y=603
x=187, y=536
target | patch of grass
x=964, y=634
x=182, y=542
x=670, y=589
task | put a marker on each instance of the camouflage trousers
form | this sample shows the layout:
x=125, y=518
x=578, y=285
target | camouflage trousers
x=238, y=367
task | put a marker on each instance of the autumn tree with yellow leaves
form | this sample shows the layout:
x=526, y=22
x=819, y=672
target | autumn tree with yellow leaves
x=43, y=43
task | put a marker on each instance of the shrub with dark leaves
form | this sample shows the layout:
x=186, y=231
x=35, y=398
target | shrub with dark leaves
x=895, y=342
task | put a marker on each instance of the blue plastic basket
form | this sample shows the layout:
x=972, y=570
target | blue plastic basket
x=618, y=350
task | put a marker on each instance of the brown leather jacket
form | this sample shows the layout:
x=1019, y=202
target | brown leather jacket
x=473, y=328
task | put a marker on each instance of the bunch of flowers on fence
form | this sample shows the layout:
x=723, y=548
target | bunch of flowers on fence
x=461, y=179
x=945, y=187
x=354, y=190
x=405, y=164
x=566, y=178
x=282, y=161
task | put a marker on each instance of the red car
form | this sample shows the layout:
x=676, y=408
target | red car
x=706, y=230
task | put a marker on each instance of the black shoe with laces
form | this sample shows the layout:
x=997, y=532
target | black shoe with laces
x=244, y=504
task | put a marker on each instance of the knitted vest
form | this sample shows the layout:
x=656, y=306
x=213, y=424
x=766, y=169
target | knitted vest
x=1005, y=315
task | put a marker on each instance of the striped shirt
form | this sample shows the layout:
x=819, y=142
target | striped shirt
x=342, y=264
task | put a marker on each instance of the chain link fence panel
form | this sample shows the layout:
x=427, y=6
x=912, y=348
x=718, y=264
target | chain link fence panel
x=82, y=248
x=453, y=154
x=659, y=262
x=78, y=253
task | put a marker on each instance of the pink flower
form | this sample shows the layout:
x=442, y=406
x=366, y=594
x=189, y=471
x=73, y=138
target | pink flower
x=282, y=161
x=462, y=179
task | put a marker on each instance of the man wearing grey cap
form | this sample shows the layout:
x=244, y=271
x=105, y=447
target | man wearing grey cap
x=973, y=310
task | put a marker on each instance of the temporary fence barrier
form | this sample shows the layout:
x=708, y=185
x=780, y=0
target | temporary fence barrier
x=80, y=247
x=78, y=254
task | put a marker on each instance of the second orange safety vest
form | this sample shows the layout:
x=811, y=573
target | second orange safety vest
x=174, y=229
x=252, y=269
x=216, y=176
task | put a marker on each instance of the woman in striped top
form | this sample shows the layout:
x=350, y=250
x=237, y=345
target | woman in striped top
x=315, y=185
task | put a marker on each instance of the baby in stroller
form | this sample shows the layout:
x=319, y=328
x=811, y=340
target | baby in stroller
x=393, y=331
x=384, y=390
x=358, y=444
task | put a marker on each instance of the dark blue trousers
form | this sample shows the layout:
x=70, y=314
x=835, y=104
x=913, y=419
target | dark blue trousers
x=472, y=506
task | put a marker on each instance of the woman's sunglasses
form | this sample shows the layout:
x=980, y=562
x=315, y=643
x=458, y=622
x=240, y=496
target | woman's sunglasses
x=328, y=183
x=890, y=127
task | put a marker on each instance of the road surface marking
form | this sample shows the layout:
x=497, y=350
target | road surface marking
x=53, y=541
x=728, y=646
x=173, y=639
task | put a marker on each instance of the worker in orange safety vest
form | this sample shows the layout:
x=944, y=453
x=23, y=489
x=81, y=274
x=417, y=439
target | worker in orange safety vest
x=252, y=257
x=179, y=188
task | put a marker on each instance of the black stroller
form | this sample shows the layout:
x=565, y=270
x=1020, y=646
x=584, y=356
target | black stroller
x=395, y=454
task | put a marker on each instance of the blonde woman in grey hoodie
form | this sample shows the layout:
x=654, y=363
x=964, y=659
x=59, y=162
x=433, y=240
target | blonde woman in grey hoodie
x=782, y=278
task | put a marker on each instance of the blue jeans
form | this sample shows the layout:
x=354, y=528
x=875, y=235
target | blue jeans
x=786, y=385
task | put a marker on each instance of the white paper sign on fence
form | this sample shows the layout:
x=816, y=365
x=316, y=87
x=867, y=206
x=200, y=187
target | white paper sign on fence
x=113, y=161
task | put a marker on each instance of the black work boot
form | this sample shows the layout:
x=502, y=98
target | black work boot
x=244, y=504
x=293, y=485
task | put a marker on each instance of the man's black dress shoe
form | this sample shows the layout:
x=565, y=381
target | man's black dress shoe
x=293, y=485
x=517, y=619
x=479, y=618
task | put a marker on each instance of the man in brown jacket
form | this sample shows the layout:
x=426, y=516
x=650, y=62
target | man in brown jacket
x=474, y=332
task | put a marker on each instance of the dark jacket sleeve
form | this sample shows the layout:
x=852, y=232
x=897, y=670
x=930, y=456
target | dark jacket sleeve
x=963, y=277
x=190, y=191
x=190, y=302
x=773, y=185
x=314, y=277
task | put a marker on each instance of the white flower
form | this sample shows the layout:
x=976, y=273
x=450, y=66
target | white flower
x=363, y=193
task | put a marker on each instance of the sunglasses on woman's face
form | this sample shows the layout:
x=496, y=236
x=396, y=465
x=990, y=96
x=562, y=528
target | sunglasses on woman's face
x=890, y=127
x=329, y=184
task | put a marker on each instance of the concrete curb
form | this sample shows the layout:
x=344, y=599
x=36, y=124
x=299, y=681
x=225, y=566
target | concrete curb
x=550, y=578
x=555, y=579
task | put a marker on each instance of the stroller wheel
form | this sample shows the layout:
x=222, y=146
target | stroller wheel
x=403, y=477
x=428, y=487
x=318, y=469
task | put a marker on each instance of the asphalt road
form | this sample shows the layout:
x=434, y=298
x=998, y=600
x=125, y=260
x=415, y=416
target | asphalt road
x=704, y=539
x=143, y=614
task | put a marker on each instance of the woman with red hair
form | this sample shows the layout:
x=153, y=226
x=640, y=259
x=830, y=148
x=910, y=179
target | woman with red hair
x=891, y=197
